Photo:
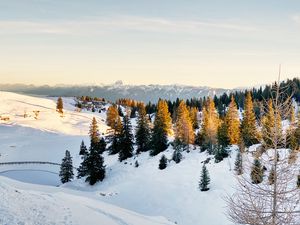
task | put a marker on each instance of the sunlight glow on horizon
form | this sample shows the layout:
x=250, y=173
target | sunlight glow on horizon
x=192, y=43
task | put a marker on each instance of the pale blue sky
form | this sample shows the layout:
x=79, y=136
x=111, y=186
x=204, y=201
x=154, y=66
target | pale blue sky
x=225, y=43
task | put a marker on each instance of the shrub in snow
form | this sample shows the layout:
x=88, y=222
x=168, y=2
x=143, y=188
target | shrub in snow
x=162, y=162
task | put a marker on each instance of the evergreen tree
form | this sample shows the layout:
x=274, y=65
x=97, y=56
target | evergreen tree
x=120, y=112
x=162, y=162
x=142, y=135
x=233, y=122
x=136, y=164
x=271, y=176
x=184, y=131
x=60, y=105
x=210, y=125
x=204, y=179
x=92, y=165
x=101, y=145
x=126, y=140
x=238, y=164
x=256, y=172
x=161, y=129
x=133, y=112
x=220, y=153
x=82, y=170
x=177, y=156
x=66, y=168
x=83, y=149
x=248, y=127
x=222, y=135
x=95, y=166
x=298, y=181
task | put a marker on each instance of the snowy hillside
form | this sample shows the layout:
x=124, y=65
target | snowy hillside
x=32, y=204
x=172, y=193
x=31, y=193
x=20, y=111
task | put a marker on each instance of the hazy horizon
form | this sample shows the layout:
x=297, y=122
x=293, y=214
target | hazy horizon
x=216, y=44
x=138, y=84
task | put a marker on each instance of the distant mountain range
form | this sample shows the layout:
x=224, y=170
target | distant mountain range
x=118, y=90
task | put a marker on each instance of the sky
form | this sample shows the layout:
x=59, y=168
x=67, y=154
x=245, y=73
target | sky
x=216, y=43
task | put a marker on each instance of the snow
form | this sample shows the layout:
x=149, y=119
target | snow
x=127, y=193
x=72, y=122
x=58, y=206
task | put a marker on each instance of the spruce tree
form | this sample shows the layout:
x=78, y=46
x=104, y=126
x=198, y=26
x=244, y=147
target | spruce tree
x=83, y=149
x=233, y=122
x=238, y=164
x=126, y=140
x=161, y=129
x=162, y=162
x=177, y=156
x=204, y=179
x=298, y=181
x=95, y=166
x=142, y=135
x=222, y=135
x=66, y=168
x=59, y=105
x=92, y=165
x=101, y=145
x=248, y=127
x=120, y=112
x=220, y=153
x=82, y=169
x=256, y=172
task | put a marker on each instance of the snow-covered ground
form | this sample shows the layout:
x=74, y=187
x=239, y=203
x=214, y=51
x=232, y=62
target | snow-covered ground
x=33, y=205
x=171, y=193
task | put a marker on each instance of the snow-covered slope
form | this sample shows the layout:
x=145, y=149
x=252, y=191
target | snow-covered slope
x=15, y=106
x=172, y=193
x=33, y=205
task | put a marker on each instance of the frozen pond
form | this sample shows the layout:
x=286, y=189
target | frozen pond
x=42, y=177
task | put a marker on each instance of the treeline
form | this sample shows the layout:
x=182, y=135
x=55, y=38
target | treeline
x=292, y=88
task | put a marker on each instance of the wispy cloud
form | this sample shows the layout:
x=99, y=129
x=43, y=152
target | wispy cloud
x=97, y=25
